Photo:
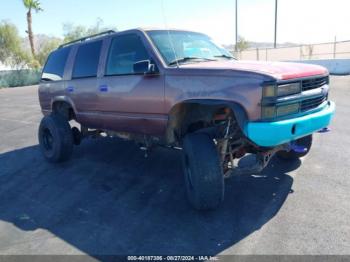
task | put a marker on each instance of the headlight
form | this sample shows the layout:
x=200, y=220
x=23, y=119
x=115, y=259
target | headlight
x=269, y=91
x=278, y=111
x=281, y=90
x=288, y=89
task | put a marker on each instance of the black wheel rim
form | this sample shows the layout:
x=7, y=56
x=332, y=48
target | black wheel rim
x=47, y=139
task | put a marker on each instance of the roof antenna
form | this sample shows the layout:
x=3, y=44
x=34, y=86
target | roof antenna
x=167, y=28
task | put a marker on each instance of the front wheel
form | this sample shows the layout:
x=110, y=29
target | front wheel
x=304, y=142
x=55, y=138
x=203, y=173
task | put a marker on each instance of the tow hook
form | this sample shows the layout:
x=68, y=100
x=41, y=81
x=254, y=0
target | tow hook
x=324, y=130
x=297, y=148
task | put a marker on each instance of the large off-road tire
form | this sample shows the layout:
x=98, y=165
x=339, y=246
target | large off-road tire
x=292, y=155
x=203, y=173
x=55, y=138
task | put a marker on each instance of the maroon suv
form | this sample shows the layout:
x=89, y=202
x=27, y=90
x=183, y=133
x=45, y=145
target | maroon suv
x=181, y=90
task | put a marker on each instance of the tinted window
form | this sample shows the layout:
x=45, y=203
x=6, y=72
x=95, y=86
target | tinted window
x=54, y=68
x=124, y=52
x=86, y=60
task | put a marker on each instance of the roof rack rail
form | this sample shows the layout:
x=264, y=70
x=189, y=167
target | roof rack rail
x=87, y=38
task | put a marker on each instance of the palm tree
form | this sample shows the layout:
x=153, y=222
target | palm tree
x=31, y=5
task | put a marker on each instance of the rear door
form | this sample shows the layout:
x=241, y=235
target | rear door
x=52, y=81
x=129, y=101
x=82, y=88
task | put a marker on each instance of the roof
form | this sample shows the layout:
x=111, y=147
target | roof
x=94, y=36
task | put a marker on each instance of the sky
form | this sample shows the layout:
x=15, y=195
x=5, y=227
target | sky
x=299, y=21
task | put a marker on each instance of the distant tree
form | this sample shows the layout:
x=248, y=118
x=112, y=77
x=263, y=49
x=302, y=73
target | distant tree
x=72, y=32
x=11, y=51
x=242, y=44
x=46, y=48
x=31, y=5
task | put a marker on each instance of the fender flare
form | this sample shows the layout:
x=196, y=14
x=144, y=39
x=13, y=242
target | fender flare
x=239, y=111
x=64, y=99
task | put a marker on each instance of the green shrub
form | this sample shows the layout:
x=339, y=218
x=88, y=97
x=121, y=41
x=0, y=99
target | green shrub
x=19, y=78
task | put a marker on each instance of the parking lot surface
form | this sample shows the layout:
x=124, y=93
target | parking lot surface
x=109, y=199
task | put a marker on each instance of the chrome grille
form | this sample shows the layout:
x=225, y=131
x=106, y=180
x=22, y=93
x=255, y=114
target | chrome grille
x=313, y=83
x=312, y=103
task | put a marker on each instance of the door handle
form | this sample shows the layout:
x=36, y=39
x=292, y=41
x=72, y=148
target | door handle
x=103, y=88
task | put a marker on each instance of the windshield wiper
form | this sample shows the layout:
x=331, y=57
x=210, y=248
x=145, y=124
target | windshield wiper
x=188, y=58
x=225, y=56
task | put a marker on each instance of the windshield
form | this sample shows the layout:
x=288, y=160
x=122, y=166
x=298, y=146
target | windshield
x=187, y=47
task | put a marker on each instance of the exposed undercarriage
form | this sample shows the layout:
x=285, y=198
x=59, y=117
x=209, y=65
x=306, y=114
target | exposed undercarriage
x=231, y=143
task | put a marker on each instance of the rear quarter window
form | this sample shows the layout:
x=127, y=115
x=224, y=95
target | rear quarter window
x=86, y=60
x=55, y=64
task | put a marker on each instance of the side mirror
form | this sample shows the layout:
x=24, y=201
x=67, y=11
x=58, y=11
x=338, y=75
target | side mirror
x=144, y=67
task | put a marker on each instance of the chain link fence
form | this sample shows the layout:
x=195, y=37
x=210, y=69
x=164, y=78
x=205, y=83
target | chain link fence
x=335, y=50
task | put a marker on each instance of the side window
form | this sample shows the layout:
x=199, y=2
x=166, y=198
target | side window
x=86, y=60
x=125, y=50
x=54, y=67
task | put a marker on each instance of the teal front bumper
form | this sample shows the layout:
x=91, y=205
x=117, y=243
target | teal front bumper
x=269, y=134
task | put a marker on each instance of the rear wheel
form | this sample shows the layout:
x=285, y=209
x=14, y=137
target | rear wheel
x=302, y=143
x=55, y=138
x=203, y=173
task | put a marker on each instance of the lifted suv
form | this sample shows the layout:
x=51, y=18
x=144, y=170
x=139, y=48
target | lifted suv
x=179, y=89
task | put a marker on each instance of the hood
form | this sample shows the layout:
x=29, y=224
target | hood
x=278, y=70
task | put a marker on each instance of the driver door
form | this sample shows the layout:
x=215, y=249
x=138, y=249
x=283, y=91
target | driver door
x=128, y=101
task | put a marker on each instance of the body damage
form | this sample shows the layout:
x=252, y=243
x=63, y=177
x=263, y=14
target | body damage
x=156, y=105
